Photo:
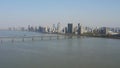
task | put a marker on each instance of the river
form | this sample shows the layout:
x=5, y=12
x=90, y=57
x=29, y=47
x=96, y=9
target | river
x=63, y=53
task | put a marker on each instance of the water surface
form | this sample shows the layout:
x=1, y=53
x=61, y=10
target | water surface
x=64, y=53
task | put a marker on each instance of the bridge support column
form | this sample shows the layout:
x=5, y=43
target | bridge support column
x=23, y=40
x=64, y=37
x=57, y=37
x=50, y=37
x=1, y=41
x=41, y=38
x=32, y=39
x=12, y=41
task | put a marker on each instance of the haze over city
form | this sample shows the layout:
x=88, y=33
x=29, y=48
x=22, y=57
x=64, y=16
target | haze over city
x=14, y=13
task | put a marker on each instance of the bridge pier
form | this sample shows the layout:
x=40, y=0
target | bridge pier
x=1, y=41
x=57, y=37
x=41, y=38
x=12, y=40
x=50, y=37
x=32, y=39
x=23, y=40
x=64, y=37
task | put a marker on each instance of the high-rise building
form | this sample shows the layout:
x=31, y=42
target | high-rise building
x=29, y=28
x=58, y=28
x=66, y=30
x=70, y=28
x=79, y=29
x=104, y=30
x=75, y=30
x=53, y=28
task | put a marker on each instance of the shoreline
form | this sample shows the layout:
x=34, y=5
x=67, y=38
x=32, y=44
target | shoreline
x=96, y=36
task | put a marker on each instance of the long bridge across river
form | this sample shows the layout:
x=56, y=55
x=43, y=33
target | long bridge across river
x=35, y=38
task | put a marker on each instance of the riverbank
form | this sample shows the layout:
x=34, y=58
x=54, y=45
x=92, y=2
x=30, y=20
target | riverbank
x=85, y=35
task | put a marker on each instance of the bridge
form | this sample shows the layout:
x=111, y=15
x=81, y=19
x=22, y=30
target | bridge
x=35, y=38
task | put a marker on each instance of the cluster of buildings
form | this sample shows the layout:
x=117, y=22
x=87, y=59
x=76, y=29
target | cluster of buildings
x=56, y=28
x=76, y=30
x=46, y=29
x=17, y=29
x=107, y=31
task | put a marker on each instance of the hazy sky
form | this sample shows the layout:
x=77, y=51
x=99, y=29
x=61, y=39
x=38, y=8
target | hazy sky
x=46, y=12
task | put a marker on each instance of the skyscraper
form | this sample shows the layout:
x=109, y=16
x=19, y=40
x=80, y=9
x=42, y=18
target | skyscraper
x=54, y=28
x=70, y=28
x=79, y=29
x=58, y=28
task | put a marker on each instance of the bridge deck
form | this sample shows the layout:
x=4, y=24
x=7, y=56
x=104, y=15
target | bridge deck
x=33, y=38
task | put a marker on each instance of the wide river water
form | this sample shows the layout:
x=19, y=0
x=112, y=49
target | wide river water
x=64, y=53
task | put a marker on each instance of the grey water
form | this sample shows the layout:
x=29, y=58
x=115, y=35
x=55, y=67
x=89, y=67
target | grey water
x=63, y=53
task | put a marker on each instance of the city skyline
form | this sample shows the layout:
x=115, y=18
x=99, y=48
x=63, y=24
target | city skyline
x=34, y=12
